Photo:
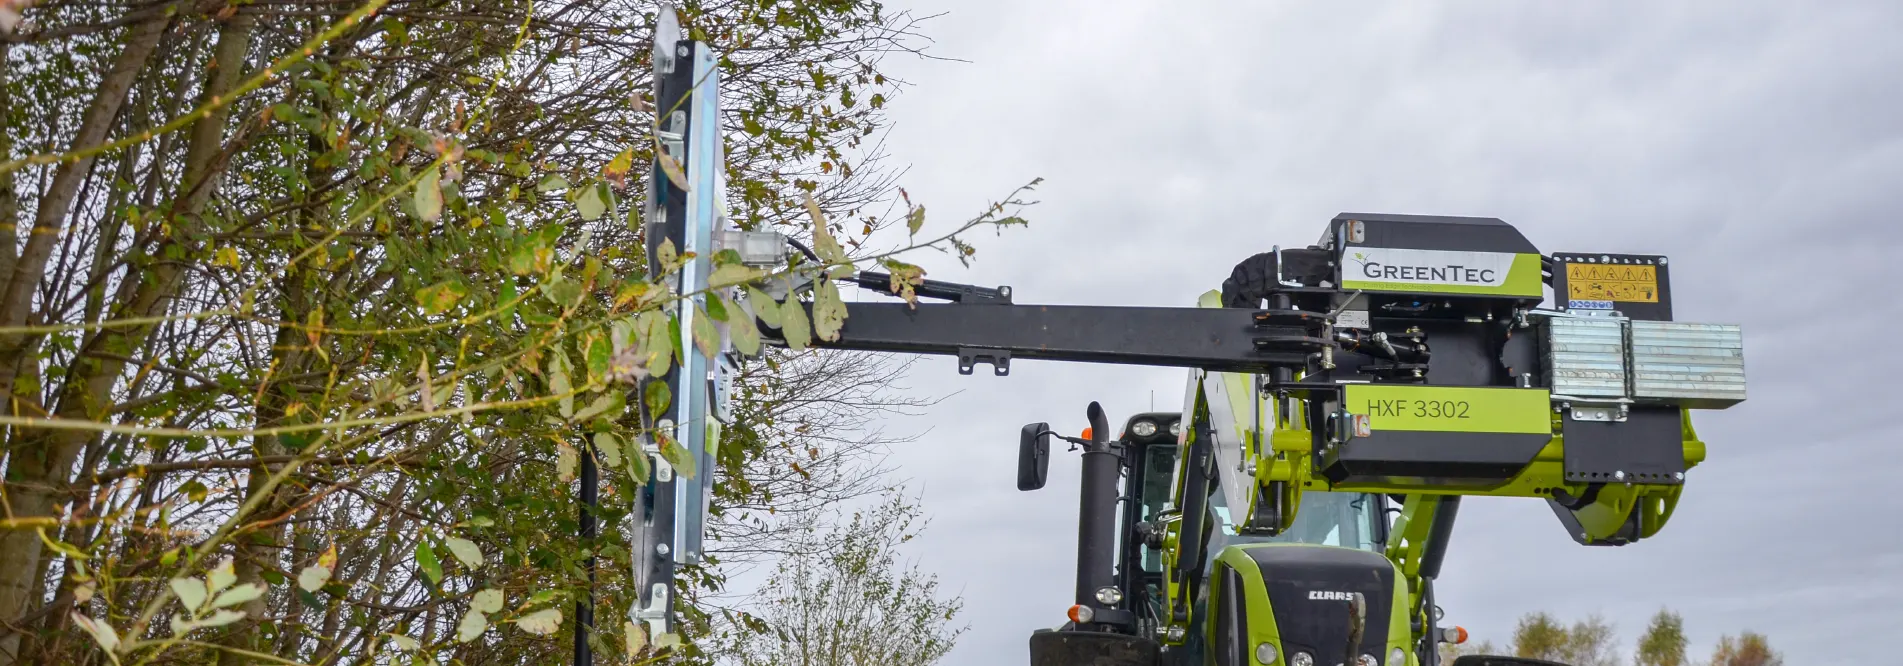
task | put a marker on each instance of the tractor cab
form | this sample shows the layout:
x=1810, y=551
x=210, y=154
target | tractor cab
x=1150, y=454
x=1146, y=451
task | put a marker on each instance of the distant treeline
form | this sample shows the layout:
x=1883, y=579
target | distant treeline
x=1590, y=642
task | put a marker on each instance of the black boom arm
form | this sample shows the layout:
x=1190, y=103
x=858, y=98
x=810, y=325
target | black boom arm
x=1215, y=339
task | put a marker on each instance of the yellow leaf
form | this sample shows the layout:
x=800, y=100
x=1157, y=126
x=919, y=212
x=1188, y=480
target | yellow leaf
x=673, y=170
x=617, y=169
x=637, y=637
x=314, y=326
x=823, y=242
x=441, y=296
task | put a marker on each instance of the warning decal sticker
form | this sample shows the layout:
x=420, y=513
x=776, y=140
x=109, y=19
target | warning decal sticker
x=1612, y=282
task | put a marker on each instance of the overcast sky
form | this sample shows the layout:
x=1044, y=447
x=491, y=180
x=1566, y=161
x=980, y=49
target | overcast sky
x=1757, y=144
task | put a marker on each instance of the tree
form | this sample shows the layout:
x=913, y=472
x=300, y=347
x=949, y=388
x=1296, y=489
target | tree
x=308, y=312
x=1748, y=649
x=1587, y=642
x=1663, y=643
x=1539, y=636
x=846, y=602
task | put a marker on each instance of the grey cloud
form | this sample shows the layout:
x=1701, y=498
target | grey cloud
x=1756, y=143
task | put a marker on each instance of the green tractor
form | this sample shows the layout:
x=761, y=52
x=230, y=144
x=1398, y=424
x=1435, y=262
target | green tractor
x=1337, y=541
x=1257, y=525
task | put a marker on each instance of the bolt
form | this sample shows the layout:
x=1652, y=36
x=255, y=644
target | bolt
x=664, y=424
x=1619, y=476
x=1661, y=261
x=680, y=51
x=661, y=548
x=1678, y=476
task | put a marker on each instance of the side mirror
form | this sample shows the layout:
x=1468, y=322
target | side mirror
x=1034, y=456
x=1490, y=660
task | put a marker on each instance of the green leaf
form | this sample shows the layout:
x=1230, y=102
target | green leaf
x=561, y=291
x=486, y=601
x=706, y=337
x=746, y=336
x=190, y=591
x=829, y=312
x=667, y=255
x=656, y=397
x=592, y=202
x=552, y=183
x=405, y=643
x=238, y=595
x=566, y=460
x=732, y=274
x=558, y=382
x=312, y=578
x=763, y=306
x=610, y=448
x=522, y=260
x=676, y=454
x=542, y=622
x=426, y=560
x=472, y=626
x=608, y=404
x=655, y=347
x=223, y=576
x=429, y=196
x=441, y=296
x=465, y=551
x=915, y=219
x=600, y=351
x=717, y=306
x=638, y=464
x=623, y=334
x=220, y=618
x=667, y=641
x=794, y=327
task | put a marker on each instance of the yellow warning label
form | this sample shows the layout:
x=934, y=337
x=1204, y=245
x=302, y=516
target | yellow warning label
x=1612, y=282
